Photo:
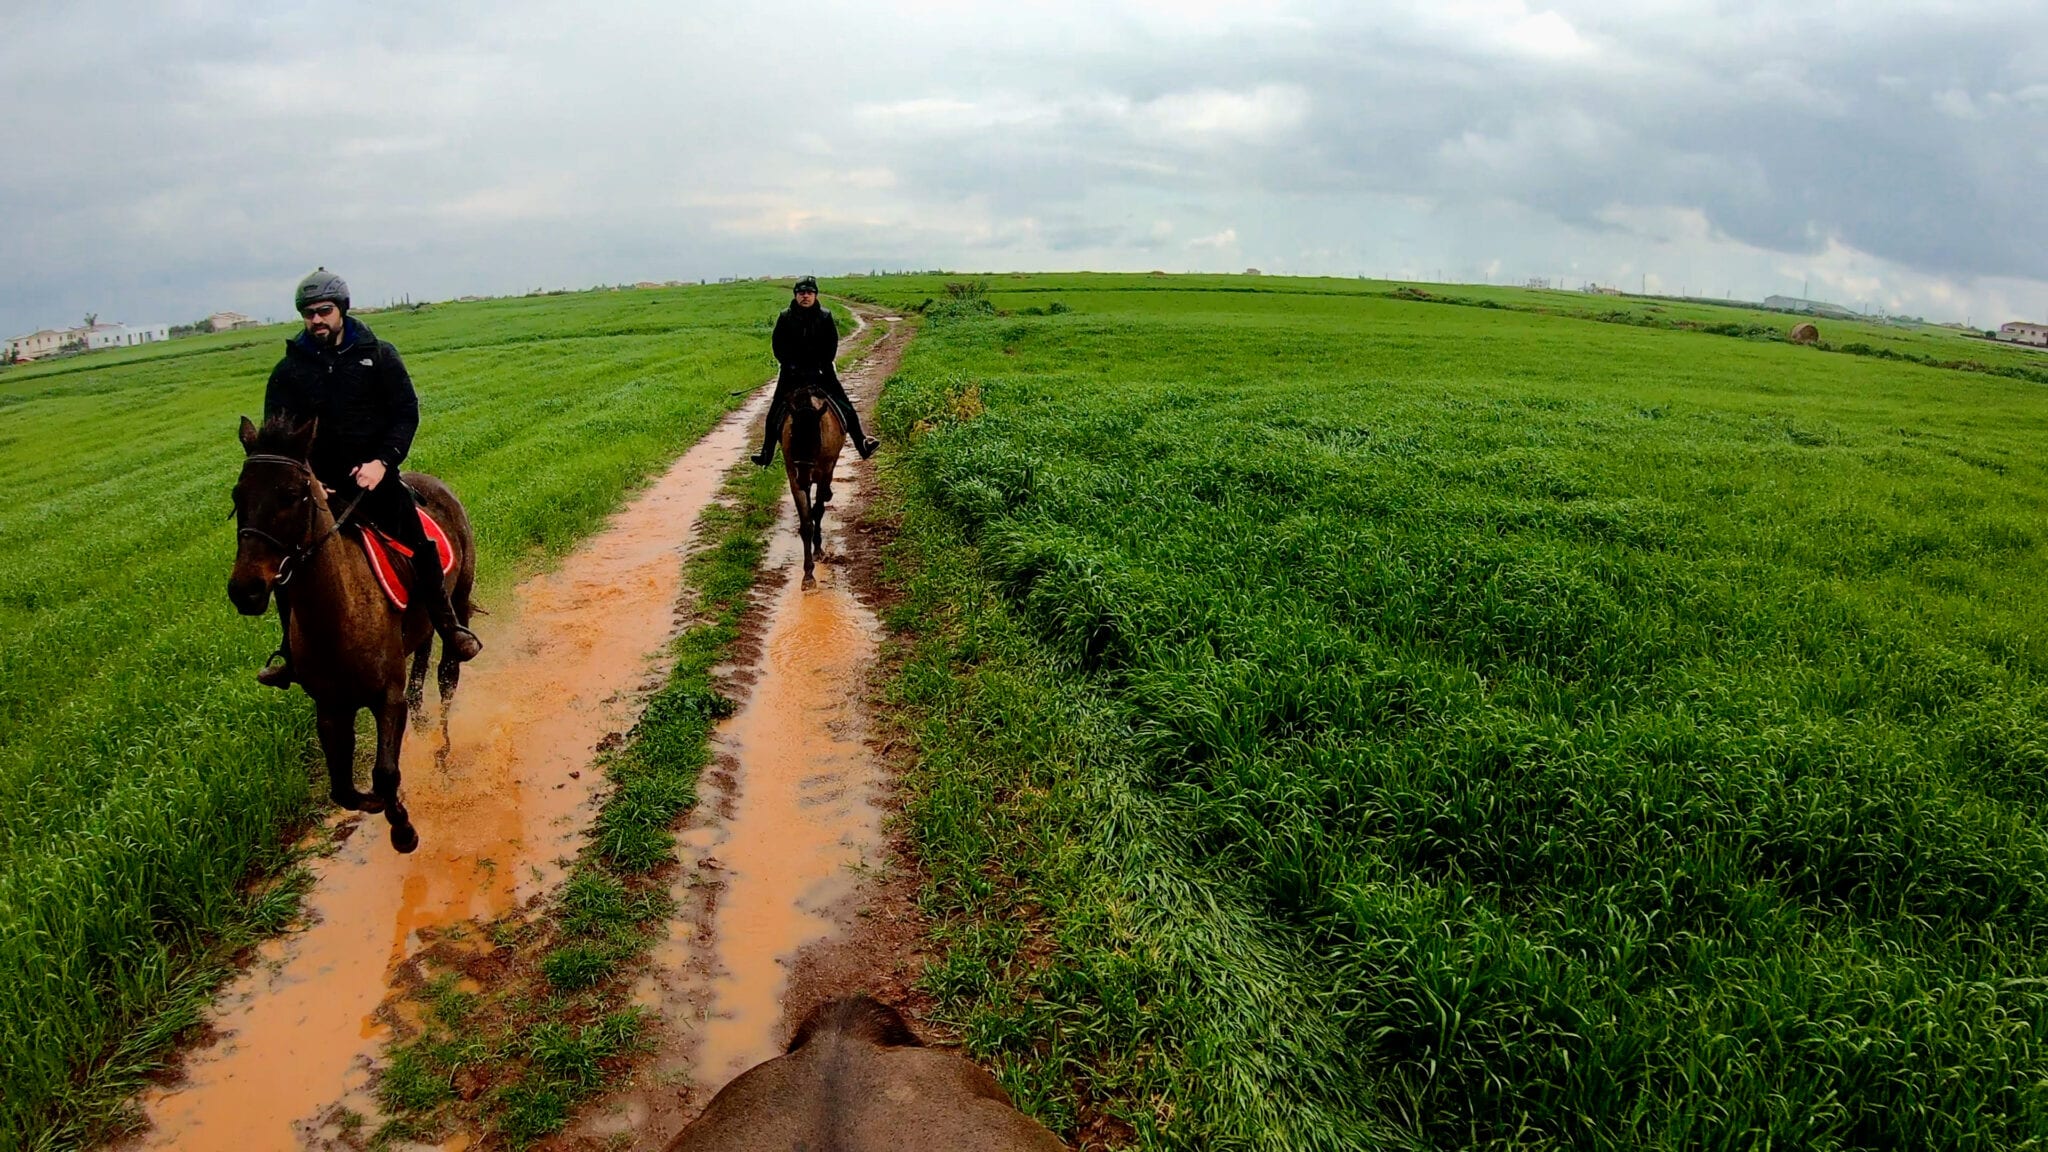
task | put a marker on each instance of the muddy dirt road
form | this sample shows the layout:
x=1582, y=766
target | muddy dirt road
x=785, y=853
x=500, y=809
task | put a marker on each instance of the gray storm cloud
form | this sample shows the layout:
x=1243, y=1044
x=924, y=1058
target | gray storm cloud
x=186, y=159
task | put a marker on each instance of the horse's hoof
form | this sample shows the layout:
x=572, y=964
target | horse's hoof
x=404, y=838
x=810, y=581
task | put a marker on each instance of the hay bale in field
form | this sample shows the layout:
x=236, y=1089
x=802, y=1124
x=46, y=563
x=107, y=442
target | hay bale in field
x=1805, y=333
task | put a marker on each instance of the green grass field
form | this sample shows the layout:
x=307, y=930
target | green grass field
x=144, y=776
x=1347, y=721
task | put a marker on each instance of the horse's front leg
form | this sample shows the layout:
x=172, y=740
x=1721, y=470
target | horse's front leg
x=384, y=777
x=338, y=745
x=800, y=493
x=818, y=510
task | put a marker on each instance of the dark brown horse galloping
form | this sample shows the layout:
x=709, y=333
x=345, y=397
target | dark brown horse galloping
x=348, y=644
x=812, y=438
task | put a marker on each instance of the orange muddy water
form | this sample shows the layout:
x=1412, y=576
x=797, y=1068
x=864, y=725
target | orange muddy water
x=802, y=819
x=498, y=815
x=773, y=855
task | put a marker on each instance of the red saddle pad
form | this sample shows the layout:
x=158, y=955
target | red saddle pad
x=377, y=547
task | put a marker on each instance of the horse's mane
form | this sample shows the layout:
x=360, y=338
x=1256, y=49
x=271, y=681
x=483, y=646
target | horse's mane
x=859, y=1017
x=279, y=435
x=806, y=433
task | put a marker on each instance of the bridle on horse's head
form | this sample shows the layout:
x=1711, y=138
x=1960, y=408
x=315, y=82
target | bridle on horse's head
x=307, y=547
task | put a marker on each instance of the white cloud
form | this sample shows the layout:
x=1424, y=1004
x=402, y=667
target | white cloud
x=1956, y=103
x=1256, y=115
x=1502, y=28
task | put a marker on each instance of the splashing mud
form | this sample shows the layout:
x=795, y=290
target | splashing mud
x=499, y=809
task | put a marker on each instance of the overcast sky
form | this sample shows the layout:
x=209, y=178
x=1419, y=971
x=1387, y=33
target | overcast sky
x=165, y=160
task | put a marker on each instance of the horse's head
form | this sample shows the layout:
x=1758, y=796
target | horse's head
x=276, y=500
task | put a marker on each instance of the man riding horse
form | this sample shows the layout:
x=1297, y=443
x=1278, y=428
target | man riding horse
x=806, y=342
x=358, y=389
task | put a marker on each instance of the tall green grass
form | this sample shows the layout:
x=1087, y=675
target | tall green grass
x=143, y=775
x=1348, y=721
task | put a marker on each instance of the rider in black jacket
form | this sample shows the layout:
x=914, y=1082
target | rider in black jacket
x=357, y=387
x=806, y=341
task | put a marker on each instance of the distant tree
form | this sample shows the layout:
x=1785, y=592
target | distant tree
x=91, y=318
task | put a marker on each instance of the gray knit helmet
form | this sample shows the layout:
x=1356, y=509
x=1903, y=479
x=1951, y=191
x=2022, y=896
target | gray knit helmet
x=320, y=284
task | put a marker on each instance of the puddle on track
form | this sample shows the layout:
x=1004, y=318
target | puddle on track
x=802, y=817
x=297, y=1032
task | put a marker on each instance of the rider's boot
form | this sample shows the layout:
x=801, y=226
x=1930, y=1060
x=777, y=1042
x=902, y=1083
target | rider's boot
x=279, y=675
x=456, y=640
x=849, y=417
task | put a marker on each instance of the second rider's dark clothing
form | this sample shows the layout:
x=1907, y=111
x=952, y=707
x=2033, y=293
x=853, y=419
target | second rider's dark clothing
x=363, y=397
x=806, y=341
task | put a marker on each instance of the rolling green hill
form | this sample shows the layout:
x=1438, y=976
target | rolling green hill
x=1351, y=720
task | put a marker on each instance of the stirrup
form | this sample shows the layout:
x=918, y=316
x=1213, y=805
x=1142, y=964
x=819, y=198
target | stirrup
x=868, y=447
x=764, y=457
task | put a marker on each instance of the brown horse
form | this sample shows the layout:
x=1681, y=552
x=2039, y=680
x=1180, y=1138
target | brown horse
x=348, y=644
x=857, y=1079
x=812, y=437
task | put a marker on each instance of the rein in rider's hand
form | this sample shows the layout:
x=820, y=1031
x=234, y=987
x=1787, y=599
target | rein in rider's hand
x=369, y=474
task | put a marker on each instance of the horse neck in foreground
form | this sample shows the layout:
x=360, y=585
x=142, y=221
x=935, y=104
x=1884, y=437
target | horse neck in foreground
x=857, y=1079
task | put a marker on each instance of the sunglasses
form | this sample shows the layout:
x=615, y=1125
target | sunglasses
x=320, y=311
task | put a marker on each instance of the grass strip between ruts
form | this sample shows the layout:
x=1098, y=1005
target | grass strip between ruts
x=548, y=1023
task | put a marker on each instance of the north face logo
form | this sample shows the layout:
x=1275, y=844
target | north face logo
x=366, y=362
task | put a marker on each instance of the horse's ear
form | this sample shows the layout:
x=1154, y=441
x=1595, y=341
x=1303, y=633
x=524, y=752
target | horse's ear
x=302, y=438
x=248, y=435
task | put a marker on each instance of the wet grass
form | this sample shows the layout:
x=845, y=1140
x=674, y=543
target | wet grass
x=144, y=778
x=550, y=1022
x=1351, y=722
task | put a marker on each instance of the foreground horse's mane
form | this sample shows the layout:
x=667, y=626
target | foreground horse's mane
x=279, y=435
x=859, y=1017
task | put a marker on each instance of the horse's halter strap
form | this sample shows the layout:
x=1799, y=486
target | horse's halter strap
x=307, y=549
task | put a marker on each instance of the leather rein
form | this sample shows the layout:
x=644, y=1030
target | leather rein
x=295, y=557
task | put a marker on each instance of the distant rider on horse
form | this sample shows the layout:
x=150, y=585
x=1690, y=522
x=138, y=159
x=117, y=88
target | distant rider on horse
x=806, y=341
x=357, y=387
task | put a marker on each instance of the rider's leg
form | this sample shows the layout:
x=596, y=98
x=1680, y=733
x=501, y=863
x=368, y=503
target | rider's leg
x=279, y=675
x=396, y=514
x=772, y=433
x=849, y=416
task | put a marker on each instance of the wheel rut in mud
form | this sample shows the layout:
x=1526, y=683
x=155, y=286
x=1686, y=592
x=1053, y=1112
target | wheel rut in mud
x=791, y=889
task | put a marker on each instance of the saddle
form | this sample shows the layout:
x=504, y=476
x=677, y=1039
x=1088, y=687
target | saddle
x=378, y=547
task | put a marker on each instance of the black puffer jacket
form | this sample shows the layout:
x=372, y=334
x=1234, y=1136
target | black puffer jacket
x=806, y=340
x=359, y=391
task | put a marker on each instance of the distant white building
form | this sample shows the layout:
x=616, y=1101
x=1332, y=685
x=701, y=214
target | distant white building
x=1810, y=307
x=228, y=321
x=122, y=335
x=2021, y=332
